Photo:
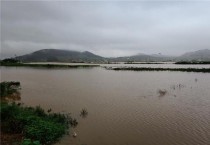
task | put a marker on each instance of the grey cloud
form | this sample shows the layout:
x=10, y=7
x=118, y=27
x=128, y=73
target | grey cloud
x=105, y=28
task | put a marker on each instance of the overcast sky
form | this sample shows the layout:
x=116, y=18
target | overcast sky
x=113, y=28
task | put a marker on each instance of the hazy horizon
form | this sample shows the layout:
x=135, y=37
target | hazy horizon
x=108, y=29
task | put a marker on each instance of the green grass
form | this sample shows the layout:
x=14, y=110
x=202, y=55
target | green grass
x=203, y=70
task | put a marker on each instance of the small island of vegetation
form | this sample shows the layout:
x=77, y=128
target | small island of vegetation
x=203, y=70
x=144, y=62
x=193, y=62
x=30, y=125
x=15, y=63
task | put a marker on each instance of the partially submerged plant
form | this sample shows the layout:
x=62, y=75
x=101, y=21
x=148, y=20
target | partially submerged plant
x=196, y=79
x=84, y=113
x=10, y=91
x=162, y=92
x=178, y=86
x=73, y=122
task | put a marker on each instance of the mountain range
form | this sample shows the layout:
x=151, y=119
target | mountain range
x=57, y=55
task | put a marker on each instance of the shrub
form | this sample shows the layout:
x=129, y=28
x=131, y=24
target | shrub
x=43, y=130
x=34, y=123
x=8, y=88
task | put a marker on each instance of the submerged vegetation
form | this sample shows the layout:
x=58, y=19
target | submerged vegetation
x=203, y=70
x=32, y=125
x=162, y=92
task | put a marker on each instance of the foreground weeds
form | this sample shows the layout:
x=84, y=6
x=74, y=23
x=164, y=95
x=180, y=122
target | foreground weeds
x=30, y=125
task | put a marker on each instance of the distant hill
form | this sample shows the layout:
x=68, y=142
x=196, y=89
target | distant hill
x=200, y=55
x=56, y=55
x=143, y=58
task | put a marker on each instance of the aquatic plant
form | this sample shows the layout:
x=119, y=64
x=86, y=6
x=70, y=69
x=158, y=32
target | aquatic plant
x=162, y=92
x=73, y=122
x=84, y=112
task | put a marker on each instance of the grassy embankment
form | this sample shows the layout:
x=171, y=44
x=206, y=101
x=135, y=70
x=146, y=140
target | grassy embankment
x=203, y=70
x=29, y=125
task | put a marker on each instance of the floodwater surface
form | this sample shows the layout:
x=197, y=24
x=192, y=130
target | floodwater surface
x=124, y=107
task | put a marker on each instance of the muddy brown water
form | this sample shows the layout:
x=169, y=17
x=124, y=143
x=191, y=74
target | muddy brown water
x=124, y=107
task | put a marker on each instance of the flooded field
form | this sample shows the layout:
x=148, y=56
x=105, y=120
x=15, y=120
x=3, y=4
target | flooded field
x=124, y=107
